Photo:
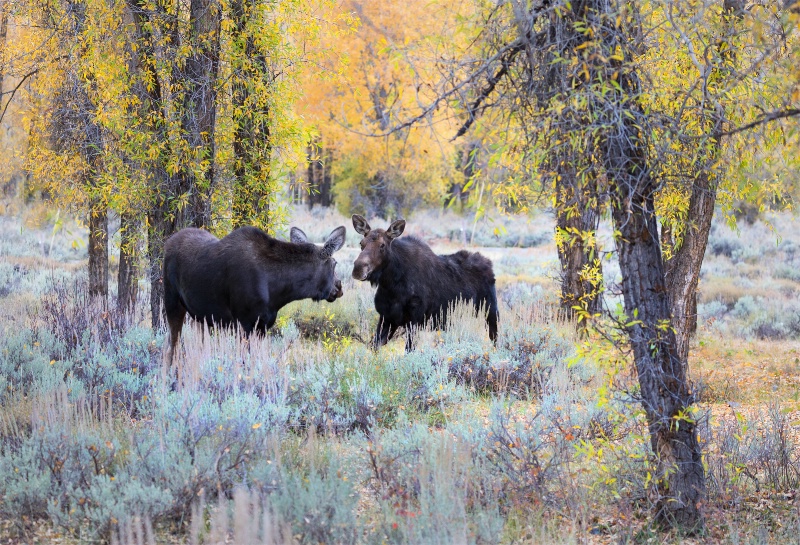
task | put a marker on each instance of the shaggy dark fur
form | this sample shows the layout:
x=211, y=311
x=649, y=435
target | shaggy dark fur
x=244, y=278
x=416, y=286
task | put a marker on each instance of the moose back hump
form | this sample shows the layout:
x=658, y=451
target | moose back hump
x=416, y=286
x=244, y=278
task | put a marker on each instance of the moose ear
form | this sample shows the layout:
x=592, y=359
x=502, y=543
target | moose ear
x=297, y=236
x=335, y=241
x=361, y=225
x=396, y=229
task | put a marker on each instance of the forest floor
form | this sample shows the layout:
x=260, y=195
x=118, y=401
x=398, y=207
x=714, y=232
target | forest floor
x=403, y=449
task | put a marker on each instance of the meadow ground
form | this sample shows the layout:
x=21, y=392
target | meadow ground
x=309, y=436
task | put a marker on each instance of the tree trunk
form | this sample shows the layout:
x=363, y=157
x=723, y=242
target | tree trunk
x=128, y=277
x=683, y=269
x=466, y=162
x=159, y=228
x=319, y=174
x=569, y=167
x=577, y=220
x=161, y=219
x=665, y=392
x=252, y=146
x=3, y=35
x=98, y=249
x=314, y=172
x=200, y=107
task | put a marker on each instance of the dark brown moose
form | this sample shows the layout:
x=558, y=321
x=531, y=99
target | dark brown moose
x=244, y=278
x=416, y=286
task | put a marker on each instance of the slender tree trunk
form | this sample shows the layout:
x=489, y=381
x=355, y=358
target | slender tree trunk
x=577, y=220
x=98, y=249
x=319, y=176
x=159, y=228
x=128, y=277
x=199, y=79
x=252, y=145
x=75, y=126
x=3, y=35
x=313, y=172
x=161, y=219
x=326, y=184
x=683, y=269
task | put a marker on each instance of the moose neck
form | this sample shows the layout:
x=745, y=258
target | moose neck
x=388, y=274
x=300, y=284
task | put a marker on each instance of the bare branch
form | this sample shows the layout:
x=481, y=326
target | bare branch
x=13, y=91
x=484, y=94
x=762, y=119
x=516, y=44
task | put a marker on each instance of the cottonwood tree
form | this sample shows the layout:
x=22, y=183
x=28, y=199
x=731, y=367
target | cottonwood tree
x=69, y=142
x=213, y=121
x=319, y=177
x=575, y=77
x=212, y=104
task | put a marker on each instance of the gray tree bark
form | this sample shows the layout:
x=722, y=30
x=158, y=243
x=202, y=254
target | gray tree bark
x=578, y=254
x=573, y=177
x=199, y=80
x=3, y=36
x=683, y=268
x=128, y=276
x=319, y=174
x=665, y=392
x=98, y=249
x=161, y=221
x=252, y=140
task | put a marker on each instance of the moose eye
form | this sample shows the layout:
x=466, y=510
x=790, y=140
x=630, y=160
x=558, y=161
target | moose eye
x=383, y=245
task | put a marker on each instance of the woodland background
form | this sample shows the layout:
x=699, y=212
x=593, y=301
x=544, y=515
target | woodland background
x=603, y=153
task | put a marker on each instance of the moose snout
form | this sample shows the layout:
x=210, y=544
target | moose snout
x=336, y=292
x=360, y=270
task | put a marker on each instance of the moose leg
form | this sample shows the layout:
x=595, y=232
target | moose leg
x=176, y=313
x=491, y=319
x=492, y=315
x=411, y=329
x=265, y=321
x=386, y=331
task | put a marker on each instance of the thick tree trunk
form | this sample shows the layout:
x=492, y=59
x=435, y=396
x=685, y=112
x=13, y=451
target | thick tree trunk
x=662, y=376
x=161, y=219
x=128, y=277
x=98, y=249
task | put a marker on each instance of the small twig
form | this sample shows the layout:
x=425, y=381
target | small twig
x=13, y=92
